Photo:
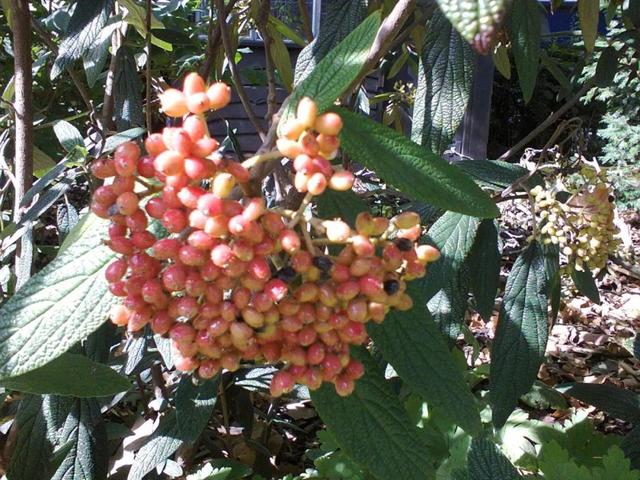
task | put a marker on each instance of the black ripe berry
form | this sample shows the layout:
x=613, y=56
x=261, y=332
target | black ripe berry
x=286, y=274
x=391, y=286
x=404, y=244
x=323, y=264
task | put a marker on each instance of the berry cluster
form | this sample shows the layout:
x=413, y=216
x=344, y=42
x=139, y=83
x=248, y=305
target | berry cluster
x=234, y=281
x=582, y=225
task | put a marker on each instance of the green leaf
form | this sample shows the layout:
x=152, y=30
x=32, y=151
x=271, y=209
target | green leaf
x=123, y=137
x=411, y=168
x=285, y=31
x=372, y=427
x=492, y=174
x=617, y=466
x=454, y=235
x=410, y=341
x=556, y=464
x=161, y=445
x=33, y=446
x=339, y=18
x=551, y=64
x=194, y=405
x=127, y=91
x=345, y=205
x=84, y=26
x=552, y=271
x=606, y=68
x=8, y=14
x=137, y=16
x=484, y=268
x=585, y=283
x=618, y=402
x=337, y=70
x=66, y=218
x=524, y=28
x=632, y=12
x=68, y=135
x=476, y=20
x=70, y=375
x=280, y=56
x=42, y=163
x=631, y=446
x=589, y=14
x=501, y=61
x=445, y=76
x=487, y=462
x=85, y=433
x=543, y=397
x=221, y=469
x=95, y=57
x=521, y=335
x=60, y=305
x=449, y=305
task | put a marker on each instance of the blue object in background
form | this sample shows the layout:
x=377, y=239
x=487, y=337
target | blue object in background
x=565, y=19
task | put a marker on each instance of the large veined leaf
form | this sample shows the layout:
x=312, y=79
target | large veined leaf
x=84, y=431
x=445, y=76
x=339, y=18
x=137, y=16
x=413, y=169
x=337, y=70
x=95, y=57
x=345, y=205
x=487, y=462
x=618, y=402
x=476, y=20
x=372, y=427
x=410, y=341
x=454, y=235
x=589, y=14
x=68, y=135
x=492, y=174
x=521, y=336
x=449, y=305
x=85, y=24
x=525, y=38
x=194, y=405
x=484, y=268
x=280, y=56
x=70, y=374
x=60, y=305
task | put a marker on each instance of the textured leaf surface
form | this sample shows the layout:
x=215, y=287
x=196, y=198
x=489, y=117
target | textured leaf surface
x=335, y=72
x=373, y=428
x=194, y=405
x=127, y=91
x=60, y=305
x=70, y=374
x=346, y=205
x=410, y=341
x=66, y=218
x=454, y=235
x=589, y=13
x=493, y=174
x=484, y=268
x=618, y=402
x=338, y=19
x=84, y=26
x=552, y=271
x=476, y=20
x=525, y=37
x=521, y=335
x=68, y=135
x=487, y=462
x=85, y=432
x=161, y=445
x=584, y=282
x=95, y=57
x=411, y=168
x=449, y=305
x=445, y=76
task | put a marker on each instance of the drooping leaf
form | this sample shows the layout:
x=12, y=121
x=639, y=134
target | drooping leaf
x=280, y=55
x=84, y=26
x=127, y=91
x=194, y=405
x=136, y=15
x=410, y=341
x=551, y=254
x=487, y=462
x=476, y=20
x=585, y=283
x=85, y=433
x=70, y=374
x=445, y=77
x=501, y=61
x=454, y=235
x=606, y=68
x=524, y=25
x=484, y=268
x=345, y=205
x=42, y=163
x=411, y=168
x=337, y=70
x=95, y=57
x=66, y=218
x=60, y=305
x=161, y=445
x=631, y=446
x=68, y=135
x=449, y=305
x=285, y=30
x=589, y=14
x=618, y=402
x=372, y=427
x=521, y=335
x=122, y=137
x=339, y=18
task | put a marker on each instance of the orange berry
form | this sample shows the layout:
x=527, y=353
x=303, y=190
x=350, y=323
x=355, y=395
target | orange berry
x=219, y=95
x=307, y=112
x=193, y=83
x=328, y=123
x=174, y=102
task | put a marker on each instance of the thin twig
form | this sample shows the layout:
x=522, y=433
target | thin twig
x=306, y=20
x=547, y=122
x=148, y=67
x=263, y=18
x=75, y=78
x=226, y=42
x=213, y=38
x=108, y=101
